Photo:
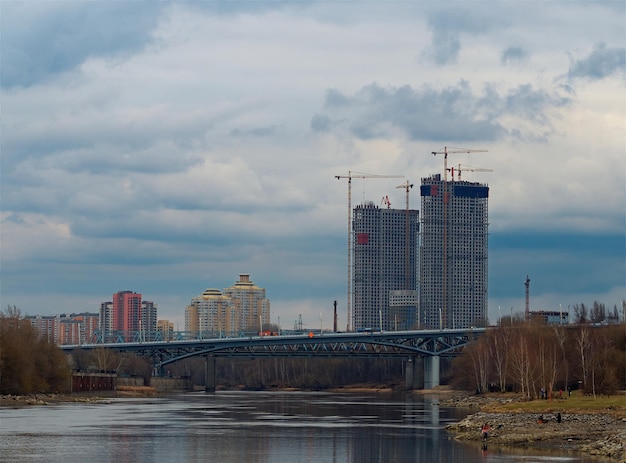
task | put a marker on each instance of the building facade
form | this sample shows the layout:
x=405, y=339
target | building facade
x=126, y=314
x=165, y=328
x=47, y=326
x=384, y=285
x=149, y=320
x=129, y=318
x=210, y=315
x=250, y=304
x=453, y=253
x=241, y=308
x=64, y=329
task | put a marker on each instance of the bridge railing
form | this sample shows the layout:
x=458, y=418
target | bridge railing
x=119, y=337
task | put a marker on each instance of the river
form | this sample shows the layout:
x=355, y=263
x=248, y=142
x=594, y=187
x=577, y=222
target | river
x=247, y=427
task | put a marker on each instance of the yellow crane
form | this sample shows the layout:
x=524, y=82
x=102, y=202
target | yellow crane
x=350, y=176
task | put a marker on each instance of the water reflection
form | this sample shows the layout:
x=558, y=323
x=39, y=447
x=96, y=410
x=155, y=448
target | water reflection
x=251, y=427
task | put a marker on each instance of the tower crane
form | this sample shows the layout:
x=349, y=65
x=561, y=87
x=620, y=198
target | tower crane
x=350, y=176
x=447, y=151
x=386, y=201
x=407, y=187
x=463, y=168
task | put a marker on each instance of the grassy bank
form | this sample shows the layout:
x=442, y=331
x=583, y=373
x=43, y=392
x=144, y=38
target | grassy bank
x=577, y=403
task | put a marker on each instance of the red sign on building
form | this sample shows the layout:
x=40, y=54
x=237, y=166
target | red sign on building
x=362, y=238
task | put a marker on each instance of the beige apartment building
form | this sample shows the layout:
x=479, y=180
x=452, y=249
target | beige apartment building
x=240, y=308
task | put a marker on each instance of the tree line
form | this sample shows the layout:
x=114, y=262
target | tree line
x=596, y=313
x=530, y=357
x=28, y=361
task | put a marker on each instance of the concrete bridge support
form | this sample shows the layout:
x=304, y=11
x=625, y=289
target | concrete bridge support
x=431, y=372
x=209, y=373
x=414, y=373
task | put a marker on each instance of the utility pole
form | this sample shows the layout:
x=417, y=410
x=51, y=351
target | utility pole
x=350, y=176
x=527, y=306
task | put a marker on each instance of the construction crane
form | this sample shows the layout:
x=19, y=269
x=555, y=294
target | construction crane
x=386, y=201
x=447, y=151
x=350, y=176
x=407, y=187
x=463, y=168
x=445, y=199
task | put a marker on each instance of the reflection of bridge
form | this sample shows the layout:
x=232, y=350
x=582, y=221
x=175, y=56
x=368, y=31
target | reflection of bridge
x=421, y=349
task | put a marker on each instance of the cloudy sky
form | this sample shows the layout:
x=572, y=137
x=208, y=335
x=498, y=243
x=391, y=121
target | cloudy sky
x=165, y=148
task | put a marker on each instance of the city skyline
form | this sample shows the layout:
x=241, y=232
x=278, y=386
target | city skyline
x=196, y=141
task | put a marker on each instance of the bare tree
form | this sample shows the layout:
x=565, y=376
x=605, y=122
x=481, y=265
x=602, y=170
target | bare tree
x=598, y=313
x=479, y=354
x=560, y=334
x=580, y=314
x=520, y=362
x=583, y=343
x=499, y=347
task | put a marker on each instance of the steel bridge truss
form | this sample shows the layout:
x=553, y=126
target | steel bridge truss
x=392, y=344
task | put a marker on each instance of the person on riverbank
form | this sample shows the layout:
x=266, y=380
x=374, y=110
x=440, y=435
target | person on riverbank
x=485, y=431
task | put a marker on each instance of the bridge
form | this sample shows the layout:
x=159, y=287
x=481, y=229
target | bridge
x=420, y=349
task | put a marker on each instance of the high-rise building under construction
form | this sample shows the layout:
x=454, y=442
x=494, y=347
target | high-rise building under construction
x=453, y=253
x=384, y=268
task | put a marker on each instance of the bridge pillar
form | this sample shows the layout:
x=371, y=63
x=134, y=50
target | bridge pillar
x=418, y=378
x=409, y=373
x=209, y=373
x=431, y=372
x=414, y=373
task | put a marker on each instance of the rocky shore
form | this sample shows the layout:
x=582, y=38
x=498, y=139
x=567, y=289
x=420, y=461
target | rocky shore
x=599, y=433
x=46, y=399
x=9, y=400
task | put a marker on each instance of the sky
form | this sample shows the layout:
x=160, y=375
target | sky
x=167, y=147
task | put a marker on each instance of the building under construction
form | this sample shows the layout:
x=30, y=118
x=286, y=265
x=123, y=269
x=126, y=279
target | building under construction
x=385, y=268
x=453, y=253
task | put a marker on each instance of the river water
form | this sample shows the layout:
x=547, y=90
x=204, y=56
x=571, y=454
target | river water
x=247, y=427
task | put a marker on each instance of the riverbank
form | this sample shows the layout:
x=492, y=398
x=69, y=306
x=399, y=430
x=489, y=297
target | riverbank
x=83, y=397
x=588, y=426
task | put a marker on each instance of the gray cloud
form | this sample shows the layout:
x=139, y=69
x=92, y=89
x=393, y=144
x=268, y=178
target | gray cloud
x=513, y=54
x=436, y=114
x=320, y=123
x=602, y=62
x=449, y=24
x=446, y=45
x=43, y=39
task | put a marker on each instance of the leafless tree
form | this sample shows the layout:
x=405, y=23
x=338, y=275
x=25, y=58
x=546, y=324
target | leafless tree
x=499, y=345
